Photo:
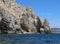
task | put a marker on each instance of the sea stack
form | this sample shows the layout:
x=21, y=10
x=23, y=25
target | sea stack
x=46, y=26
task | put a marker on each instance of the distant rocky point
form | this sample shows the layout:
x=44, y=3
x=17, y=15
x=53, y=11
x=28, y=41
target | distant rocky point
x=16, y=19
x=55, y=30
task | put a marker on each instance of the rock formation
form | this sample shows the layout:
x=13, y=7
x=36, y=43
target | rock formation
x=17, y=19
x=38, y=23
x=46, y=26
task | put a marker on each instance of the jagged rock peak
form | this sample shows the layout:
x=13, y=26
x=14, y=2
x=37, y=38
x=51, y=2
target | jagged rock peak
x=46, y=26
x=46, y=23
x=29, y=8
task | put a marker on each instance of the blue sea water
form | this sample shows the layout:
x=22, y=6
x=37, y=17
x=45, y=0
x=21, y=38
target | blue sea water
x=30, y=39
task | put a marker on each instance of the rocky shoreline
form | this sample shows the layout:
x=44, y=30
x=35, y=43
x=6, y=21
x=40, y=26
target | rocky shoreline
x=16, y=19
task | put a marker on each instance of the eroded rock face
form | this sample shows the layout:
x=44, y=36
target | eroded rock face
x=8, y=1
x=38, y=23
x=46, y=26
x=19, y=20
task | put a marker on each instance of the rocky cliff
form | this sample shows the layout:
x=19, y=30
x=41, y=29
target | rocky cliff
x=17, y=19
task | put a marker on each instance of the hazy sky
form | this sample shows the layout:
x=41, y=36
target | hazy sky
x=49, y=9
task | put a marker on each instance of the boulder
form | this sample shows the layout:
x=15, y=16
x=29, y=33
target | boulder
x=42, y=31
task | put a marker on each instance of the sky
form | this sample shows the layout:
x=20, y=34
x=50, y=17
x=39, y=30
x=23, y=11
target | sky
x=49, y=9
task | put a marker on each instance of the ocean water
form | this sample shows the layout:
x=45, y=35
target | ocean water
x=30, y=39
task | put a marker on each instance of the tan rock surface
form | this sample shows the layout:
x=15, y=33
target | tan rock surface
x=18, y=19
